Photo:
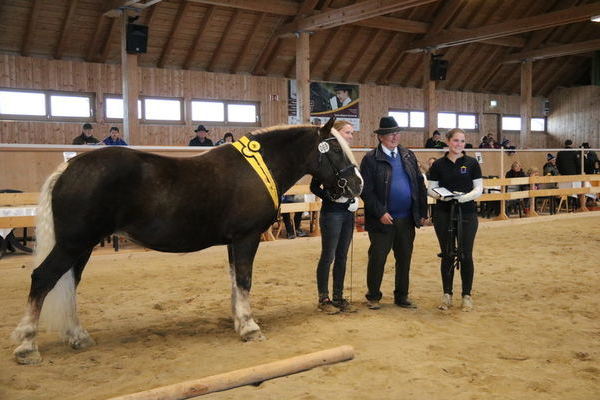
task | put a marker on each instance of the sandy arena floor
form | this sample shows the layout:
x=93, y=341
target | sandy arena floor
x=160, y=319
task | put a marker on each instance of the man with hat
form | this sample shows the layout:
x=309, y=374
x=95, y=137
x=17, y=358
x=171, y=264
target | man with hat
x=86, y=135
x=201, y=139
x=341, y=98
x=395, y=200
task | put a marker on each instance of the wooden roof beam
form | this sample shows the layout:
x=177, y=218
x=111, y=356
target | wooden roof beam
x=339, y=54
x=385, y=47
x=64, y=33
x=278, y=7
x=228, y=29
x=206, y=20
x=361, y=53
x=508, y=28
x=181, y=11
x=113, y=8
x=554, y=51
x=29, y=31
x=93, y=47
x=246, y=46
x=350, y=14
x=443, y=17
x=107, y=42
x=395, y=24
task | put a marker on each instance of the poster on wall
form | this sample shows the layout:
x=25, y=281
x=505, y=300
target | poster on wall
x=327, y=99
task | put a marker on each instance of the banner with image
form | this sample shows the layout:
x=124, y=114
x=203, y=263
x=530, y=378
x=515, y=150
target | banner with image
x=327, y=99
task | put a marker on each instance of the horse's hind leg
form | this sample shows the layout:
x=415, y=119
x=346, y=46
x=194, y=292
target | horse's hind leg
x=56, y=274
x=241, y=256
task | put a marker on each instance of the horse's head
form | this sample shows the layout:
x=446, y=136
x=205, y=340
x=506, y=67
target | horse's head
x=336, y=167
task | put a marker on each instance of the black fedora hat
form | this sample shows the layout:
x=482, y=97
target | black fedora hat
x=201, y=128
x=387, y=125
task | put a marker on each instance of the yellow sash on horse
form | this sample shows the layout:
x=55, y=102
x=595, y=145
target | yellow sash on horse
x=250, y=150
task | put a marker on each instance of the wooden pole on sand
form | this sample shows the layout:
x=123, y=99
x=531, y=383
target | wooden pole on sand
x=246, y=376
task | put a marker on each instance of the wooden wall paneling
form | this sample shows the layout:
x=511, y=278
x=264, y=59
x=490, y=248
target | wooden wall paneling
x=575, y=115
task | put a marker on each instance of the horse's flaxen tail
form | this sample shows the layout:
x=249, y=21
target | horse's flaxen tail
x=59, y=305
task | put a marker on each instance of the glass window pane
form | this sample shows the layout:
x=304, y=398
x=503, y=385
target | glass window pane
x=208, y=111
x=466, y=121
x=114, y=108
x=511, y=123
x=241, y=112
x=401, y=117
x=22, y=103
x=538, y=124
x=70, y=106
x=162, y=109
x=417, y=119
x=446, y=120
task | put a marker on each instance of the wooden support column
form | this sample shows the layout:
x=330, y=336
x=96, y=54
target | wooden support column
x=131, y=88
x=303, y=77
x=429, y=99
x=502, y=214
x=526, y=99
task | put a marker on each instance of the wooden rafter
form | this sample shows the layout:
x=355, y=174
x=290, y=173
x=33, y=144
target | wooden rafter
x=30, y=30
x=107, y=43
x=278, y=7
x=259, y=65
x=246, y=46
x=93, y=46
x=149, y=15
x=350, y=14
x=392, y=64
x=395, y=24
x=514, y=27
x=206, y=21
x=306, y=7
x=269, y=60
x=384, y=47
x=64, y=33
x=338, y=55
x=332, y=36
x=443, y=17
x=228, y=29
x=181, y=11
x=554, y=51
x=372, y=38
x=484, y=64
x=112, y=8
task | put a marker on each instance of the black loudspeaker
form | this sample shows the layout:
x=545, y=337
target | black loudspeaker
x=438, y=69
x=137, y=38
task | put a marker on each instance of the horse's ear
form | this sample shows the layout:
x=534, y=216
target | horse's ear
x=325, y=131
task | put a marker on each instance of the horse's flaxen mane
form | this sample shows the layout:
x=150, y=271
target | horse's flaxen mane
x=343, y=143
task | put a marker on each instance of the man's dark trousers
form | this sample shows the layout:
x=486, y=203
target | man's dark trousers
x=400, y=238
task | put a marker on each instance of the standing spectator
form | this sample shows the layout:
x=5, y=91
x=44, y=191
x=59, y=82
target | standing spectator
x=550, y=168
x=434, y=141
x=114, y=138
x=201, y=139
x=336, y=221
x=227, y=138
x=395, y=203
x=589, y=158
x=568, y=162
x=86, y=136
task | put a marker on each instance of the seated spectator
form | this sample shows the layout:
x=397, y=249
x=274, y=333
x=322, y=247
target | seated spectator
x=492, y=143
x=114, y=139
x=434, y=141
x=484, y=143
x=86, y=136
x=516, y=171
x=550, y=168
x=201, y=139
x=227, y=138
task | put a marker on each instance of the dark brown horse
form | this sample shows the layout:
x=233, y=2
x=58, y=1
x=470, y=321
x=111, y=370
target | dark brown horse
x=172, y=205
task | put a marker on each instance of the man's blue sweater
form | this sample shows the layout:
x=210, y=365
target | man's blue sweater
x=400, y=196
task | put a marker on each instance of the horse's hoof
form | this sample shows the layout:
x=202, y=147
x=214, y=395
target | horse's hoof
x=82, y=343
x=28, y=357
x=253, y=336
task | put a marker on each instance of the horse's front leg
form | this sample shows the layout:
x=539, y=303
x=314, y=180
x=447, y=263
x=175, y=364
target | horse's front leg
x=241, y=256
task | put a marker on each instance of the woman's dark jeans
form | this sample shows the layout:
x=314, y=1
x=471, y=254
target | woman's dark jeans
x=336, y=235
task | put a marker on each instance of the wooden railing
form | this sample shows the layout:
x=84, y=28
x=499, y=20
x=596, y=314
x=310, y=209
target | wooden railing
x=18, y=200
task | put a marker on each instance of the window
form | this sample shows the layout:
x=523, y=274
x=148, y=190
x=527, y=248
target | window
x=511, y=123
x=162, y=109
x=401, y=117
x=467, y=121
x=446, y=120
x=22, y=103
x=70, y=106
x=114, y=108
x=538, y=124
x=226, y=112
x=405, y=119
x=46, y=105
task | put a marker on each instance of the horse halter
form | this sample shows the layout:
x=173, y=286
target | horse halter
x=341, y=182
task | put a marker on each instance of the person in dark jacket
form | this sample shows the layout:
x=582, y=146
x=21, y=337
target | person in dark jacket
x=86, y=136
x=201, y=139
x=590, y=158
x=114, y=139
x=395, y=200
x=568, y=162
x=434, y=141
